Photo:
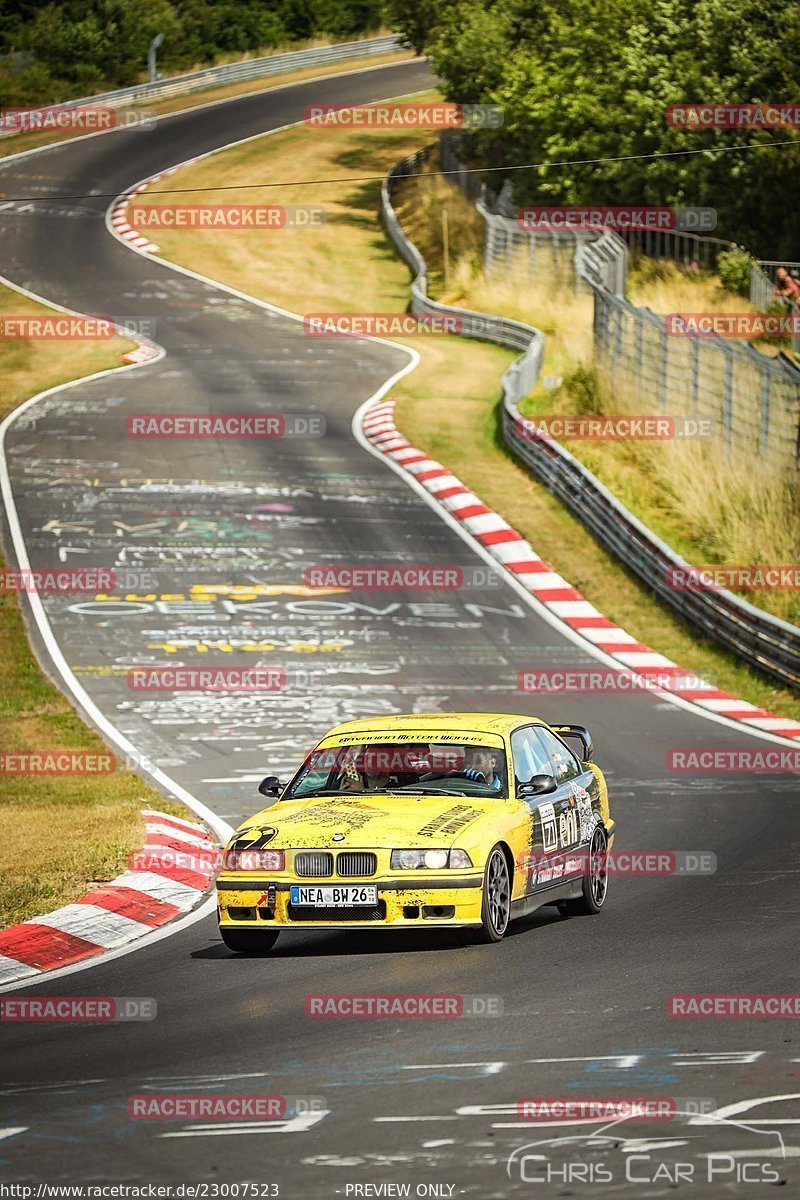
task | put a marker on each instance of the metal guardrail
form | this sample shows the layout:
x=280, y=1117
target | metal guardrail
x=523, y=373
x=238, y=72
x=763, y=641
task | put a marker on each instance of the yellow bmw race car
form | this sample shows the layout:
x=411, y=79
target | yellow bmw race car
x=447, y=819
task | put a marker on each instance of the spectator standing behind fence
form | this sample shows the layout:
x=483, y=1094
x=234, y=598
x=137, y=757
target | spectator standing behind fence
x=785, y=286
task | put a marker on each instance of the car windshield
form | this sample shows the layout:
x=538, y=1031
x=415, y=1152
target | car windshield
x=375, y=767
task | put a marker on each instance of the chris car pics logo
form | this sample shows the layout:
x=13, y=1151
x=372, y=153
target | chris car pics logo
x=698, y=1147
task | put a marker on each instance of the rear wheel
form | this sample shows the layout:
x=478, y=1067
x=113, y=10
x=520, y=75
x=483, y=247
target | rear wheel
x=595, y=881
x=496, y=903
x=249, y=941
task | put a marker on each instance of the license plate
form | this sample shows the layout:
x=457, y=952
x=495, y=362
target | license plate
x=346, y=896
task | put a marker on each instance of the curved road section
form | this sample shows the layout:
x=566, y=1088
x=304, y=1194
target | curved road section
x=226, y=530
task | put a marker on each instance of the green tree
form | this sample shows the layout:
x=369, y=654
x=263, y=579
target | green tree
x=415, y=20
x=581, y=80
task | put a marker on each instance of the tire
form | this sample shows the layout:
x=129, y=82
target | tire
x=496, y=899
x=595, y=881
x=249, y=941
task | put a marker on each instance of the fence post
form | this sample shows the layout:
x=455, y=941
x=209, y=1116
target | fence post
x=617, y=342
x=727, y=398
x=764, y=410
x=695, y=369
x=638, y=326
x=663, y=363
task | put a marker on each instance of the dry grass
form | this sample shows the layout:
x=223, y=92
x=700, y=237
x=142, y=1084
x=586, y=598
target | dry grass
x=59, y=832
x=347, y=264
x=665, y=287
x=710, y=505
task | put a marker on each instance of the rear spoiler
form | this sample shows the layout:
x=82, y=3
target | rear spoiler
x=581, y=733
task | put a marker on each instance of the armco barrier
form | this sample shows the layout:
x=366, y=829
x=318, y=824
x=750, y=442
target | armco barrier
x=523, y=373
x=239, y=72
x=765, y=642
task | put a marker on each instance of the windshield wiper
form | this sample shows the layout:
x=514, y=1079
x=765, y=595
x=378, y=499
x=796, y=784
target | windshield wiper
x=422, y=792
x=323, y=792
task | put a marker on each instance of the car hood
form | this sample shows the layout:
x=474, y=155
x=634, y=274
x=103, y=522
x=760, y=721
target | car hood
x=364, y=822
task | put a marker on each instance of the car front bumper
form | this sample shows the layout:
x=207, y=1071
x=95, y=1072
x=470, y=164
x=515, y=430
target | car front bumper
x=402, y=903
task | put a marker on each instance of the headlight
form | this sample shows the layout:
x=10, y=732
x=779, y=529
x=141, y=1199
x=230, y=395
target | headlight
x=415, y=860
x=254, y=860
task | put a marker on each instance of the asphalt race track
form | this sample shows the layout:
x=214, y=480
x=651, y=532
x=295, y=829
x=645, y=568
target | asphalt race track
x=430, y=1103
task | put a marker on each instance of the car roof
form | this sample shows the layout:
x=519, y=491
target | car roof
x=452, y=722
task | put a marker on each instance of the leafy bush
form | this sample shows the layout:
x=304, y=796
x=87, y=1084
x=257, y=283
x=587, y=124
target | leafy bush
x=734, y=270
x=583, y=386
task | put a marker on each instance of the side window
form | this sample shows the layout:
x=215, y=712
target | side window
x=529, y=756
x=562, y=762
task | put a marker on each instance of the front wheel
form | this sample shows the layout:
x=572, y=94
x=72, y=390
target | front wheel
x=249, y=941
x=595, y=881
x=496, y=903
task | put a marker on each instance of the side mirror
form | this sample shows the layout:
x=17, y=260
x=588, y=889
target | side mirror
x=538, y=785
x=271, y=786
x=582, y=735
